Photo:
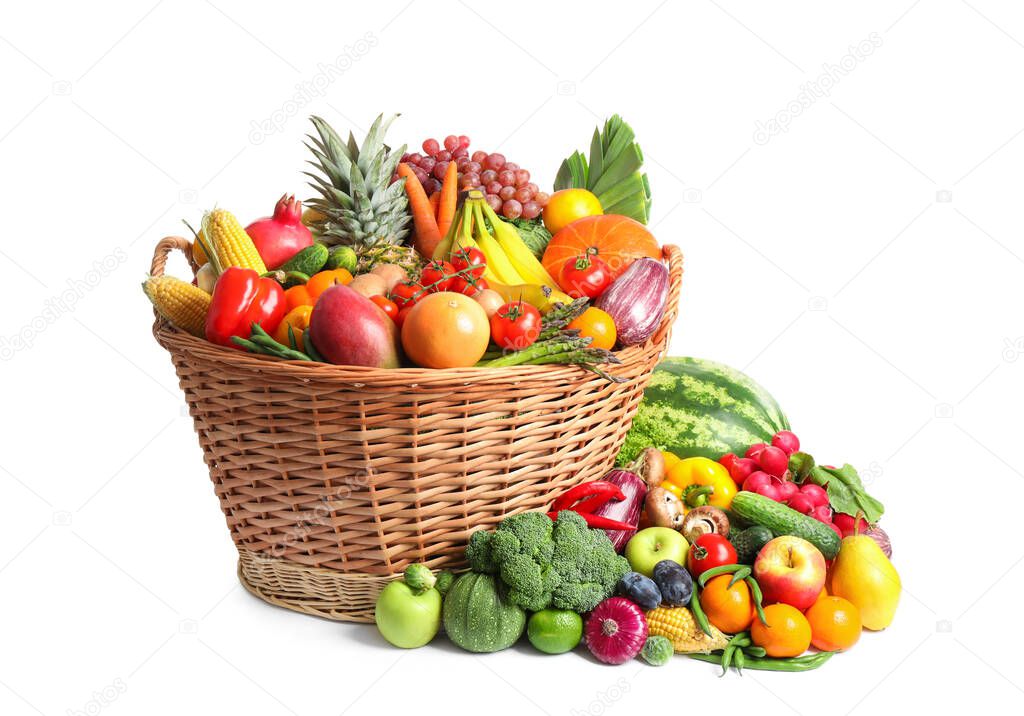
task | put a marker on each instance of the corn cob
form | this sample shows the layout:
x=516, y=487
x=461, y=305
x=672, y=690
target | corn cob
x=680, y=627
x=179, y=302
x=198, y=252
x=230, y=245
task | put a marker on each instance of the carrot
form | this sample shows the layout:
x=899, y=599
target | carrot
x=449, y=194
x=427, y=235
x=435, y=199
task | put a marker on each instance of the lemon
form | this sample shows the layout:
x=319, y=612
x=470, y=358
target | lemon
x=567, y=205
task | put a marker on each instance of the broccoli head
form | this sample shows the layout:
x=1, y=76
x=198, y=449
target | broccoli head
x=541, y=562
x=587, y=563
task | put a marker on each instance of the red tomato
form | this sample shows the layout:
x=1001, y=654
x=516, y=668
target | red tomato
x=467, y=288
x=401, y=315
x=470, y=258
x=710, y=551
x=389, y=307
x=515, y=325
x=585, y=276
x=406, y=293
x=437, y=276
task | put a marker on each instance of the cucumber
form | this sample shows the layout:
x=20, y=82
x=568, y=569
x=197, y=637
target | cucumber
x=782, y=520
x=308, y=261
x=748, y=542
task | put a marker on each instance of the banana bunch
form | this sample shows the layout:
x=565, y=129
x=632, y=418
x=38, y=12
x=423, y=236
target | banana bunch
x=512, y=269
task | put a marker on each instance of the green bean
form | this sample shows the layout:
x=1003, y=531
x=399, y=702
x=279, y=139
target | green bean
x=798, y=663
x=307, y=343
x=698, y=614
x=715, y=571
x=739, y=661
x=738, y=575
x=755, y=594
x=727, y=656
x=755, y=651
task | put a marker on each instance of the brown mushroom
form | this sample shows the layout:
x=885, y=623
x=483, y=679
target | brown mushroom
x=704, y=520
x=663, y=508
x=649, y=466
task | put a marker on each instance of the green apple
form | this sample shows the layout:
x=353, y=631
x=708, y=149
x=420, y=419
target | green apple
x=406, y=618
x=648, y=547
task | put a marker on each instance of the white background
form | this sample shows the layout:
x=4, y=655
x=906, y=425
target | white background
x=866, y=265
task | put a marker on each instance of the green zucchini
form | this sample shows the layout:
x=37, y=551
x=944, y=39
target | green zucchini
x=783, y=520
x=308, y=261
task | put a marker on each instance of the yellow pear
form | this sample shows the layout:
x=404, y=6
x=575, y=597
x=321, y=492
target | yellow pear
x=865, y=576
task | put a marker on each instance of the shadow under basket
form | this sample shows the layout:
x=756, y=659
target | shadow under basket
x=333, y=479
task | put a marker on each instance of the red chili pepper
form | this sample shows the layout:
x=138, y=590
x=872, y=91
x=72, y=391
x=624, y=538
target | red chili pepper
x=598, y=522
x=240, y=299
x=598, y=492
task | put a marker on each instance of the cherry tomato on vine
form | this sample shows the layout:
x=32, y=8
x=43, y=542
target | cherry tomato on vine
x=709, y=551
x=406, y=293
x=389, y=307
x=470, y=258
x=585, y=276
x=468, y=288
x=402, y=313
x=437, y=276
x=515, y=325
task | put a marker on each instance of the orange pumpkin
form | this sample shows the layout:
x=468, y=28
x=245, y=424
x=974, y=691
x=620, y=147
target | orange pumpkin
x=617, y=240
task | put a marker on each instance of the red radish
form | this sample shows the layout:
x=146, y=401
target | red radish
x=815, y=493
x=771, y=491
x=800, y=503
x=281, y=236
x=836, y=529
x=742, y=468
x=756, y=480
x=787, y=441
x=881, y=537
x=773, y=460
x=848, y=525
x=822, y=513
x=616, y=630
x=728, y=461
x=787, y=490
x=753, y=450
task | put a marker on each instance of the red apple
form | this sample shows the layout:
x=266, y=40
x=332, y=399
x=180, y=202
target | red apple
x=790, y=570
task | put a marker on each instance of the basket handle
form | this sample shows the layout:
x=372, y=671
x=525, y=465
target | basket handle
x=163, y=249
x=674, y=256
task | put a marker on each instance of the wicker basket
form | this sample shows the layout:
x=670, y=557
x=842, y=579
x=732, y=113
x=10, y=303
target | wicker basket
x=335, y=478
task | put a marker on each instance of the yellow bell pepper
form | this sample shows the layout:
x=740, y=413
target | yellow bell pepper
x=698, y=481
x=298, y=320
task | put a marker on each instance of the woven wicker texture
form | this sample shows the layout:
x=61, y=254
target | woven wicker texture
x=340, y=476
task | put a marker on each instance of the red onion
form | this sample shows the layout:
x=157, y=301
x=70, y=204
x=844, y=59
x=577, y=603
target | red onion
x=616, y=630
x=636, y=301
x=627, y=510
x=881, y=537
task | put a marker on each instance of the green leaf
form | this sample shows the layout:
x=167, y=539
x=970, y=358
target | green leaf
x=846, y=492
x=596, y=158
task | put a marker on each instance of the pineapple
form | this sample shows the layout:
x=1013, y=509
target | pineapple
x=358, y=205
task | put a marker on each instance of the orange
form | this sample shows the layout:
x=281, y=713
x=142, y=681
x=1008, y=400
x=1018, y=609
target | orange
x=320, y=282
x=728, y=608
x=446, y=330
x=567, y=205
x=597, y=325
x=835, y=624
x=787, y=634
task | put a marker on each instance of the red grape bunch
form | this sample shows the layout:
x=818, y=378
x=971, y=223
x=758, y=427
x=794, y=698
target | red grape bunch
x=507, y=187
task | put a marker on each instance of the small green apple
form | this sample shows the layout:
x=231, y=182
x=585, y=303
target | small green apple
x=648, y=547
x=406, y=618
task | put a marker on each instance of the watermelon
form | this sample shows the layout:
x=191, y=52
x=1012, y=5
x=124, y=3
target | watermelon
x=695, y=407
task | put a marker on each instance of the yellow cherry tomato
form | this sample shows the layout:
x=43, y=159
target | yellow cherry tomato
x=692, y=473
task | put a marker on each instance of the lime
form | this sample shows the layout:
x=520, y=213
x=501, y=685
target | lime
x=555, y=631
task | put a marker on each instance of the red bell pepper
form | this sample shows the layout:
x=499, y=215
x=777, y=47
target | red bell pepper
x=241, y=298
